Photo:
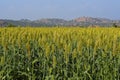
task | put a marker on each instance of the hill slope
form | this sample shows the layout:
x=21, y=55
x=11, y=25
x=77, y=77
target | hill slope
x=81, y=21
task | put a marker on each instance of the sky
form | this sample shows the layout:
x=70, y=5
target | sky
x=64, y=9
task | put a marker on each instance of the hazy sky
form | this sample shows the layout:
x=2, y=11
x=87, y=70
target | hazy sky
x=65, y=9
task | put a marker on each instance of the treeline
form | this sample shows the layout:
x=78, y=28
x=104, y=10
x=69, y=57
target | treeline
x=53, y=23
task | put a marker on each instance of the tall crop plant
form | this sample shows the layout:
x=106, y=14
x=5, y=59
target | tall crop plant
x=59, y=53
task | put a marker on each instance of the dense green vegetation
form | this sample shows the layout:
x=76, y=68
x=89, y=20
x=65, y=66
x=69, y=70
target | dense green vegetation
x=59, y=53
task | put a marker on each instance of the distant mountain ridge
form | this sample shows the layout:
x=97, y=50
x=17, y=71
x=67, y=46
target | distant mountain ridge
x=81, y=21
x=93, y=20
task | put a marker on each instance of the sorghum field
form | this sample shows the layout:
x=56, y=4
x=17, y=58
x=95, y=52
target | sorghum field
x=59, y=53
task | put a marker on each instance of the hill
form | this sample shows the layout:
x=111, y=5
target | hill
x=81, y=21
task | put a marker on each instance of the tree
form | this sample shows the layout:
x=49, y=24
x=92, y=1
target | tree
x=11, y=25
x=115, y=25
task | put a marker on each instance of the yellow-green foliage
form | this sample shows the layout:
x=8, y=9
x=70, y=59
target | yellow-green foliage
x=59, y=53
